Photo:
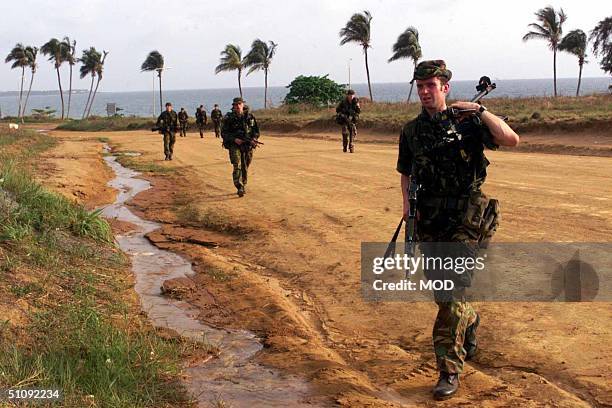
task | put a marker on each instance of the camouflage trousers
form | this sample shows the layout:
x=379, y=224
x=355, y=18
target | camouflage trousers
x=241, y=160
x=217, y=125
x=349, y=132
x=169, y=139
x=183, y=128
x=455, y=315
x=201, y=128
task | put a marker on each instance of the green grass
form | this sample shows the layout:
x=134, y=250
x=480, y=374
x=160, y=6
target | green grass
x=98, y=124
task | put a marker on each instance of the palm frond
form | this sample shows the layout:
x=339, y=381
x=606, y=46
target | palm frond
x=231, y=59
x=407, y=46
x=153, y=62
x=357, y=29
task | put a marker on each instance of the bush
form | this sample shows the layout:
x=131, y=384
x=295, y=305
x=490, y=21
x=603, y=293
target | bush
x=314, y=90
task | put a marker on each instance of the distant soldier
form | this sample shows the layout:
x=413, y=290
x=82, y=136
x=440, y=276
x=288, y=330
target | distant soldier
x=347, y=114
x=167, y=123
x=216, y=115
x=240, y=134
x=182, y=117
x=201, y=119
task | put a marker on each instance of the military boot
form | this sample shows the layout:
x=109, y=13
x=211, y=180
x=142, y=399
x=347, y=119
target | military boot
x=470, y=344
x=352, y=149
x=447, y=386
x=344, y=148
x=240, y=191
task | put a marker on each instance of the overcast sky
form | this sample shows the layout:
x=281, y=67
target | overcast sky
x=474, y=37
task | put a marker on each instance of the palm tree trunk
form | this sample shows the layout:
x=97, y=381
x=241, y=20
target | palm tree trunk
x=19, y=113
x=555, y=70
x=579, y=79
x=88, y=97
x=239, y=83
x=69, y=93
x=28, y=94
x=93, y=96
x=161, y=109
x=266, y=89
x=59, y=81
x=365, y=50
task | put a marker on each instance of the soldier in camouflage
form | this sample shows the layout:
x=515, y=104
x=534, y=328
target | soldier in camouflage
x=216, y=116
x=239, y=133
x=182, y=118
x=347, y=114
x=451, y=207
x=201, y=119
x=167, y=122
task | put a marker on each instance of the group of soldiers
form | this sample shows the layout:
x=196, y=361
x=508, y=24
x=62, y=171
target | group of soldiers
x=451, y=207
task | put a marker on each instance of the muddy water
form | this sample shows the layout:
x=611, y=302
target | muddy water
x=232, y=377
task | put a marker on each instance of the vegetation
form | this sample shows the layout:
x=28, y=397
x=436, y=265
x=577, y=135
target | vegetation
x=549, y=29
x=231, y=60
x=260, y=58
x=58, y=52
x=357, y=30
x=71, y=323
x=71, y=60
x=155, y=62
x=407, y=46
x=601, y=37
x=314, y=90
x=22, y=57
x=97, y=124
x=575, y=42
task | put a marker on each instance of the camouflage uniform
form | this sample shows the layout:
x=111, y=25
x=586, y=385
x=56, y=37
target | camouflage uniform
x=167, y=122
x=201, y=120
x=182, y=118
x=216, y=117
x=452, y=209
x=347, y=114
x=239, y=126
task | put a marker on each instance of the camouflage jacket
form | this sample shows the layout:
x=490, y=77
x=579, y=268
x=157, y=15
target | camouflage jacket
x=182, y=116
x=216, y=115
x=168, y=121
x=350, y=110
x=238, y=126
x=201, y=116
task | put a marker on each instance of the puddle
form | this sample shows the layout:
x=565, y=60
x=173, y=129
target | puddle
x=232, y=377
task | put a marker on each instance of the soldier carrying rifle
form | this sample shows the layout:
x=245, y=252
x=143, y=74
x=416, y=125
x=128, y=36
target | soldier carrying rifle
x=167, y=123
x=347, y=114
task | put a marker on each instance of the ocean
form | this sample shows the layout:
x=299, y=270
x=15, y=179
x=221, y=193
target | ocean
x=141, y=103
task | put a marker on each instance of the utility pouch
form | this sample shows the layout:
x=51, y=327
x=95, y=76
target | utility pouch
x=490, y=222
x=473, y=217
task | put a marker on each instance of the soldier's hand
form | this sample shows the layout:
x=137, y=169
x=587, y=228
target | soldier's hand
x=238, y=141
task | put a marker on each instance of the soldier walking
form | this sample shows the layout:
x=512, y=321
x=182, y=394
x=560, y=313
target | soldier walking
x=347, y=114
x=167, y=122
x=182, y=117
x=240, y=134
x=451, y=206
x=201, y=119
x=216, y=115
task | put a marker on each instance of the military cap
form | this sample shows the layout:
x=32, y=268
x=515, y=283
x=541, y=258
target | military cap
x=168, y=104
x=431, y=69
x=237, y=100
x=350, y=92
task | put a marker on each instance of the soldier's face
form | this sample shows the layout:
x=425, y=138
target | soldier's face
x=432, y=93
x=169, y=108
x=350, y=97
x=239, y=107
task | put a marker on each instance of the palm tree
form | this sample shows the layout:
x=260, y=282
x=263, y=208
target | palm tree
x=32, y=53
x=407, y=46
x=71, y=50
x=551, y=30
x=89, y=60
x=99, y=67
x=357, y=29
x=19, y=58
x=601, y=37
x=575, y=42
x=231, y=60
x=57, y=52
x=260, y=58
x=155, y=62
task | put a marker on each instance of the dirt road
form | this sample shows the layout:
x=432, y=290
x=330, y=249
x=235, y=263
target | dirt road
x=292, y=273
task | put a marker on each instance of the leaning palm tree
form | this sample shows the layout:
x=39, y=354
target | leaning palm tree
x=407, y=46
x=549, y=29
x=231, y=60
x=357, y=29
x=155, y=62
x=601, y=37
x=70, y=58
x=89, y=60
x=19, y=58
x=575, y=42
x=99, y=67
x=57, y=52
x=32, y=53
x=260, y=58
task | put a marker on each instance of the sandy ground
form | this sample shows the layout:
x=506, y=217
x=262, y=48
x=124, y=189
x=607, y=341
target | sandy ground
x=292, y=275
